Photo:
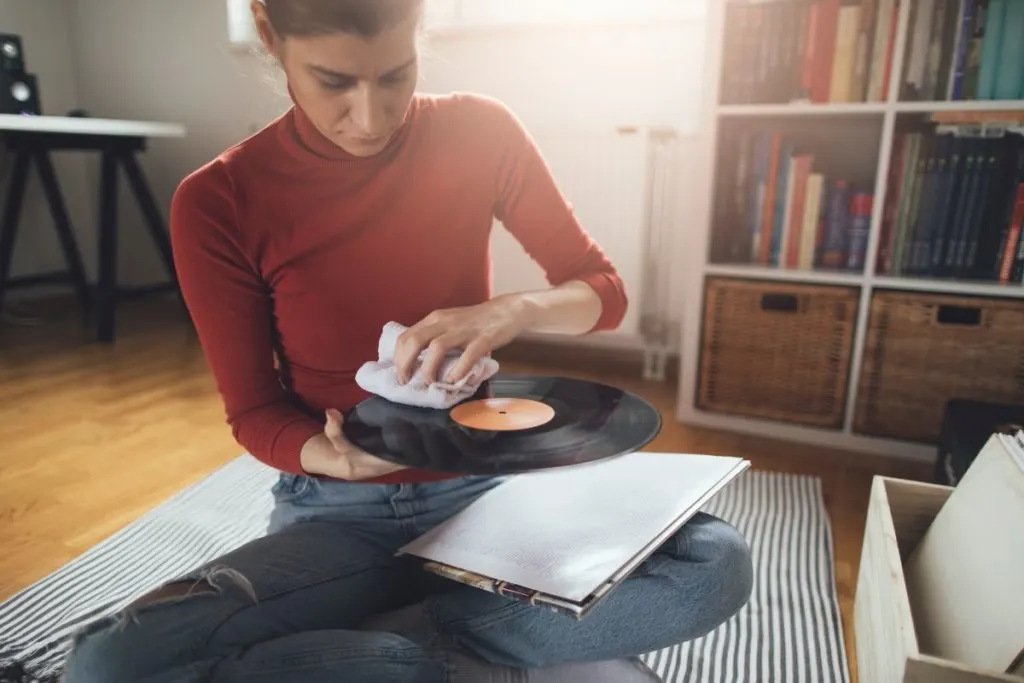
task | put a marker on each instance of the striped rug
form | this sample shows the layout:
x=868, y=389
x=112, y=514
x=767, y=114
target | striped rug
x=790, y=631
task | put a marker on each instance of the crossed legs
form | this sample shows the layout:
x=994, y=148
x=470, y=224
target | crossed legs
x=294, y=606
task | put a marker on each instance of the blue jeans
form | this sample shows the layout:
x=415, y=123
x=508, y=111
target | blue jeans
x=299, y=603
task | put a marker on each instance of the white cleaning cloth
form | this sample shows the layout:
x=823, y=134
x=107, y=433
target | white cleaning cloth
x=380, y=377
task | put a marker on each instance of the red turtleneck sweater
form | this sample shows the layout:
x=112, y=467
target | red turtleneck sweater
x=293, y=254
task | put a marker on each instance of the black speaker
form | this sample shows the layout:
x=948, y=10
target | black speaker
x=19, y=94
x=12, y=56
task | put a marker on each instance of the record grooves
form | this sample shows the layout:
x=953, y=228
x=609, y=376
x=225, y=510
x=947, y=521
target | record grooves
x=513, y=424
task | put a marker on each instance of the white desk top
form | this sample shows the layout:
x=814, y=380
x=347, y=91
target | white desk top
x=88, y=126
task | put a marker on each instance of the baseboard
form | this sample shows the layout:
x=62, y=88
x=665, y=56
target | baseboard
x=29, y=303
x=57, y=289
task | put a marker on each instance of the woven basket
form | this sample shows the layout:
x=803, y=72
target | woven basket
x=777, y=351
x=924, y=349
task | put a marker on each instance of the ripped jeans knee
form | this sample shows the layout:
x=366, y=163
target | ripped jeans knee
x=163, y=630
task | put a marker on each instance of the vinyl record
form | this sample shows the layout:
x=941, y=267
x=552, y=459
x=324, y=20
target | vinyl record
x=512, y=424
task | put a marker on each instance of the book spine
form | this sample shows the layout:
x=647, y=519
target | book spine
x=841, y=82
x=770, y=192
x=812, y=219
x=860, y=224
x=925, y=211
x=990, y=49
x=1018, y=267
x=907, y=189
x=974, y=50
x=795, y=226
x=1010, y=65
x=757, y=191
x=963, y=42
x=973, y=197
x=921, y=21
x=782, y=201
x=948, y=49
x=879, y=52
x=827, y=25
x=865, y=39
x=949, y=185
x=1010, y=252
x=836, y=226
x=812, y=45
x=933, y=59
x=892, y=200
x=890, y=50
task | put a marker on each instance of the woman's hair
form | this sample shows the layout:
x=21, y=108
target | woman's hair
x=305, y=18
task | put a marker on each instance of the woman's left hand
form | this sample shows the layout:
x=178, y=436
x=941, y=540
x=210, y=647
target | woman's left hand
x=478, y=330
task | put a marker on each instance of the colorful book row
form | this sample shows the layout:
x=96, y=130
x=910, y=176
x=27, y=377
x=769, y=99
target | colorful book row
x=808, y=51
x=964, y=50
x=955, y=205
x=776, y=209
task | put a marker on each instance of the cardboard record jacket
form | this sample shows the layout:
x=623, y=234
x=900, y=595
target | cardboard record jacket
x=512, y=424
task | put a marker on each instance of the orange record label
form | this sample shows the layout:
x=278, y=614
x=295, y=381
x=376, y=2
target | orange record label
x=502, y=414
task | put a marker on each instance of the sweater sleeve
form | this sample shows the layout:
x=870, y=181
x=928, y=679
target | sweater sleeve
x=532, y=208
x=231, y=310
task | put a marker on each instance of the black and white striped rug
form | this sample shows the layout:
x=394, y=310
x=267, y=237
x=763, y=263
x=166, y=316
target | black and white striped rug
x=790, y=631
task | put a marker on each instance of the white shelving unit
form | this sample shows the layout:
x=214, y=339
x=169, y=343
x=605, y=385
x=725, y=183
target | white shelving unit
x=698, y=266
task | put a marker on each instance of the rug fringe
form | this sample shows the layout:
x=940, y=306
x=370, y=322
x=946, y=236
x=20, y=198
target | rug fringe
x=17, y=673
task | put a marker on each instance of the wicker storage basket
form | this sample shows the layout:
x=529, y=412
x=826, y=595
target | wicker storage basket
x=777, y=351
x=924, y=349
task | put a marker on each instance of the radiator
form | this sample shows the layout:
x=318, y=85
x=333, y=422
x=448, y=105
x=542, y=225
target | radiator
x=625, y=186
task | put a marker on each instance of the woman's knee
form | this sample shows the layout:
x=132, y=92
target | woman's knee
x=138, y=641
x=734, y=561
x=724, y=560
x=105, y=652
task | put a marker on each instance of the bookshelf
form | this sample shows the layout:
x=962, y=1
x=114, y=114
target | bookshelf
x=875, y=98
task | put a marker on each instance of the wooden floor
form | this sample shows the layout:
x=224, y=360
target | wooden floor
x=92, y=437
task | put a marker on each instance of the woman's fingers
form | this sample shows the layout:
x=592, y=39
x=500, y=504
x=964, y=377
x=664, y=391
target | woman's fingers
x=437, y=350
x=470, y=357
x=409, y=347
x=433, y=343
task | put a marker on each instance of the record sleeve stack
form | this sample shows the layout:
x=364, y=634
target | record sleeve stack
x=965, y=579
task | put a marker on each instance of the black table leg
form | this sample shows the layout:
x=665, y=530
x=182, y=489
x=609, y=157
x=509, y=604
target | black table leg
x=65, y=233
x=12, y=215
x=106, y=297
x=154, y=221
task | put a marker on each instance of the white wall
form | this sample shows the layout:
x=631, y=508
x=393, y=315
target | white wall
x=186, y=71
x=172, y=62
x=46, y=30
x=593, y=74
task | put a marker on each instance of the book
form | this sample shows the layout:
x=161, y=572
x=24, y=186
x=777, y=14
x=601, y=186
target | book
x=964, y=577
x=566, y=538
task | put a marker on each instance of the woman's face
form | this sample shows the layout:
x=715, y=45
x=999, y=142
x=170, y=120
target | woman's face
x=355, y=90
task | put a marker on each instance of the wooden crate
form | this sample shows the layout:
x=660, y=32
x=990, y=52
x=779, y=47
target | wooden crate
x=899, y=513
x=777, y=351
x=922, y=350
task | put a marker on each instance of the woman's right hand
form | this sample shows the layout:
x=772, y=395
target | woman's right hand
x=331, y=455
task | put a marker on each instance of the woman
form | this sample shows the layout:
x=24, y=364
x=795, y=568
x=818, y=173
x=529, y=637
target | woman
x=367, y=203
